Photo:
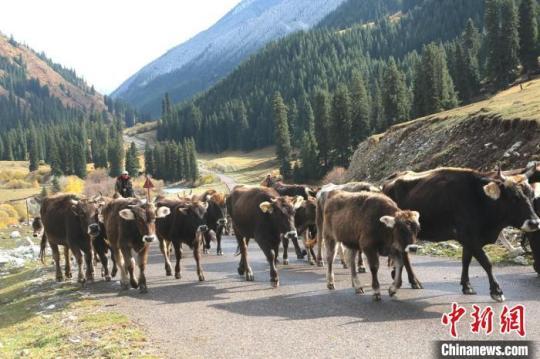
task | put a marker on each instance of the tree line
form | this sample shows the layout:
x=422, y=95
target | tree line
x=172, y=161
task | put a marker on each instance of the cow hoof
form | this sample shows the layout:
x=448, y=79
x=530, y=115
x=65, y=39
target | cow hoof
x=220, y=252
x=124, y=286
x=113, y=273
x=205, y=251
x=201, y=278
x=345, y=266
x=469, y=291
x=107, y=278
x=241, y=271
x=320, y=263
x=274, y=284
x=362, y=269
x=250, y=277
x=392, y=291
x=285, y=262
x=143, y=290
x=60, y=279
x=393, y=274
x=359, y=290
x=68, y=275
x=417, y=285
x=312, y=263
x=134, y=284
x=299, y=256
x=277, y=260
x=377, y=297
x=330, y=286
x=177, y=275
x=498, y=297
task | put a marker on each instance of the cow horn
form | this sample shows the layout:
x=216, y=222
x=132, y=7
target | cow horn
x=499, y=173
x=74, y=202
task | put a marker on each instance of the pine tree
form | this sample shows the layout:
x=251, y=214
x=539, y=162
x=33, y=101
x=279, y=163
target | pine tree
x=492, y=15
x=360, y=109
x=322, y=125
x=433, y=86
x=116, y=157
x=133, y=165
x=509, y=43
x=283, y=140
x=395, y=97
x=54, y=160
x=309, y=157
x=528, y=34
x=194, y=175
x=79, y=160
x=341, y=126
x=34, y=151
x=466, y=71
x=149, y=160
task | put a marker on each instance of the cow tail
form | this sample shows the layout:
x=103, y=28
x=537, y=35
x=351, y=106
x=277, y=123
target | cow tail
x=42, y=247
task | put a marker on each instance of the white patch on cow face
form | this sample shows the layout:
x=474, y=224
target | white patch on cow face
x=536, y=189
x=416, y=216
x=298, y=202
x=163, y=212
x=388, y=221
x=492, y=190
x=266, y=207
x=127, y=214
x=101, y=219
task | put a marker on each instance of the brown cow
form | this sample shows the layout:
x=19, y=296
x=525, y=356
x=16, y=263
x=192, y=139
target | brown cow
x=260, y=213
x=131, y=225
x=216, y=218
x=370, y=222
x=466, y=205
x=322, y=197
x=186, y=224
x=70, y=221
x=304, y=220
x=284, y=189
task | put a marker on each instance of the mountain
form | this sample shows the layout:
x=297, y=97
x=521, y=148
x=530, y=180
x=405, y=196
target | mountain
x=208, y=57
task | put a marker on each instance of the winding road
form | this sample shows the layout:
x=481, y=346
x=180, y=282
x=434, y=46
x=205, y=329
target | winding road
x=227, y=317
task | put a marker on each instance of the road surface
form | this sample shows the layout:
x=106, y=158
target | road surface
x=226, y=317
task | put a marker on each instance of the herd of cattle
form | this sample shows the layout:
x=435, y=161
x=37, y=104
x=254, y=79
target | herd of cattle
x=437, y=205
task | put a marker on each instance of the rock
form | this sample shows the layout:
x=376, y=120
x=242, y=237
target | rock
x=74, y=340
x=520, y=260
x=15, y=234
x=50, y=307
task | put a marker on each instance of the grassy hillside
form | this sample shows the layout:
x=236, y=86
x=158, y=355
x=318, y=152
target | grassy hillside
x=502, y=129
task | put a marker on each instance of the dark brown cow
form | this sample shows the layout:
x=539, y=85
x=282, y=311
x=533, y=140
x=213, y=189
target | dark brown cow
x=260, y=213
x=131, y=225
x=37, y=227
x=304, y=220
x=291, y=190
x=102, y=247
x=370, y=222
x=216, y=218
x=186, y=224
x=322, y=197
x=468, y=206
x=69, y=221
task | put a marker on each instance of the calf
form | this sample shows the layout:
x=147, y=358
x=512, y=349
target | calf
x=466, y=205
x=216, y=218
x=304, y=221
x=102, y=247
x=186, y=224
x=322, y=197
x=373, y=223
x=291, y=190
x=69, y=221
x=131, y=226
x=260, y=213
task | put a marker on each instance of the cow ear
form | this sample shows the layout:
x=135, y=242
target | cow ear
x=183, y=210
x=163, y=212
x=492, y=190
x=298, y=202
x=416, y=216
x=266, y=207
x=388, y=221
x=127, y=214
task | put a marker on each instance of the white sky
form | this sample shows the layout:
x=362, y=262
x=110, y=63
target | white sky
x=107, y=41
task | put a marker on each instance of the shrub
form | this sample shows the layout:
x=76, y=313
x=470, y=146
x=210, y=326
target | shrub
x=336, y=176
x=8, y=215
x=18, y=184
x=97, y=182
x=72, y=184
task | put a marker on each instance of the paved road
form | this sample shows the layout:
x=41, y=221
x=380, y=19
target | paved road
x=226, y=317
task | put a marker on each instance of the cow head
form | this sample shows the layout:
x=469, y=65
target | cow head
x=405, y=226
x=281, y=212
x=217, y=208
x=85, y=211
x=37, y=227
x=144, y=216
x=196, y=212
x=306, y=213
x=513, y=197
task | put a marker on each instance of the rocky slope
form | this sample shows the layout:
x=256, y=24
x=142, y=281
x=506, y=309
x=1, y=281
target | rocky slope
x=200, y=62
x=503, y=129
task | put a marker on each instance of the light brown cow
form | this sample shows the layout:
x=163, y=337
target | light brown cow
x=372, y=223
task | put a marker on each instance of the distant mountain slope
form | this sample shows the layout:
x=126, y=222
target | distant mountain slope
x=62, y=83
x=200, y=62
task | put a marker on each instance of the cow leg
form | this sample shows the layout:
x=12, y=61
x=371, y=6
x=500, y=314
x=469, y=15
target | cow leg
x=114, y=266
x=373, y=261
x=354, y=274
x=413, y=280
x=89, y=261
x=320, y=239
x=285, y=242
x=197, y=255
x=120, y=262
x=330, y=255
x=129, y=266
x=164, y=248
x=320, y=245
x=219, y=234
x=178, y=253
x=494, y=289
x=104, y=264
x=299, y=252
x=67, y=264
x=244, y=267
x=206, y=242
x=271, y=255
x=361, y=267
x=56, y=257
x=79, y=258
x=466, y=258
x=142, y=258
x=342, y=256
x=398, y=263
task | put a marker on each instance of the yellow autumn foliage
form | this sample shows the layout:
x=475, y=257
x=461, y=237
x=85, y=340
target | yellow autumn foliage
x=72, y=184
